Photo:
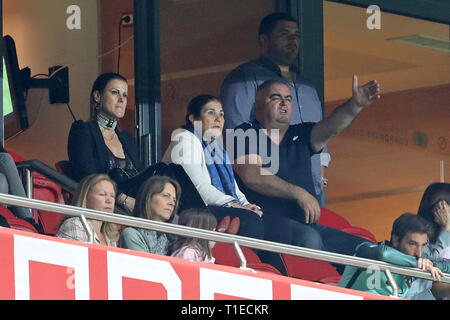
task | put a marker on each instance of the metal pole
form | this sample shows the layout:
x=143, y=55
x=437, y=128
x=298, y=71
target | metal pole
x=147, y=80
x=28, y=176
x=88, y=230
x=392, y=283
x=240, y=255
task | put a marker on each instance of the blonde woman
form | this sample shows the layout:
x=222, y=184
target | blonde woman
x=96, y=192
x=157, y=200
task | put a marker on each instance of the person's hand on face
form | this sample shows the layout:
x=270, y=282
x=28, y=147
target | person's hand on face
x=441, y=213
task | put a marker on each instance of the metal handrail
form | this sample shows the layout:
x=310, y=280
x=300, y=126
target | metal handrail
x=216, y=236
x=88, y=230
x=36, y=165
x=28, y=167
x=392, y=282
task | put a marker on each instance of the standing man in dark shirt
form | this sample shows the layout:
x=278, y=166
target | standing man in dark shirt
x=272, y=161
x=279, y=42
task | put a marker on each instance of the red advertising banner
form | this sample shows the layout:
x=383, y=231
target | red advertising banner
x=38, y=267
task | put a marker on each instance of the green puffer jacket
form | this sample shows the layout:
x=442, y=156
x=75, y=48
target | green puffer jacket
x=374, y=280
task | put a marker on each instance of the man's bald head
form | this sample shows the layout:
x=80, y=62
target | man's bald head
x=261, y=91
x=273, y=103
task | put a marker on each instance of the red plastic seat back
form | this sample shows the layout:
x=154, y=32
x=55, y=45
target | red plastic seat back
x=16, y=223
x=263, y=267
x=332, y=219
x=16, y=157
x=226, y=255
x=360, y=232
x=46, y=190
x=64, y=167
x=308, y=269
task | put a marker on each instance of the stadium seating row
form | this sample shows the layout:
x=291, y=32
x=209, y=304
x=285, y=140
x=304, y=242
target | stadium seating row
x=297, y=267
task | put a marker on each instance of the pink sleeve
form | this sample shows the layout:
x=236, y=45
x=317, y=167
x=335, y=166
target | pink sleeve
x=188, y=253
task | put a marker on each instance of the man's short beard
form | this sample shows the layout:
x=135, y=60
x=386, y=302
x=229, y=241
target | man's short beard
x=283, y=59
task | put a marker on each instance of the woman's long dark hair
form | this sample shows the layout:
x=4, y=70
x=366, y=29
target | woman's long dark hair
x=434, y=193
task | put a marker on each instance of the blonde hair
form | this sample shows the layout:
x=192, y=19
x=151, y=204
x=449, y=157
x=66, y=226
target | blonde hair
x=110, y=230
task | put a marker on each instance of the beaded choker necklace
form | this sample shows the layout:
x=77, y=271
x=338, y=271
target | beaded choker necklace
x=105, y=122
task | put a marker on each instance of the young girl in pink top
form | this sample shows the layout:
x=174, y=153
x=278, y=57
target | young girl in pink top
x=195, y=249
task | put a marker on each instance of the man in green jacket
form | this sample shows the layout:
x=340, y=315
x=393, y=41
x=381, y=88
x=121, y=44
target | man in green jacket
x=408, y=239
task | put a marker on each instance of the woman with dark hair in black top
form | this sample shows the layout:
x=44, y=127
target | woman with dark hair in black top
x=98, y=146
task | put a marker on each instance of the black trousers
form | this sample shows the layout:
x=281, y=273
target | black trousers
x=252, y=225
x=130, y=186
x=278, y=228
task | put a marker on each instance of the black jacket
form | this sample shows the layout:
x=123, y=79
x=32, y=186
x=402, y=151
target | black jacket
x=88, y=153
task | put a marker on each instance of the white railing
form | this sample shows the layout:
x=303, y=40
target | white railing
x=236, y=240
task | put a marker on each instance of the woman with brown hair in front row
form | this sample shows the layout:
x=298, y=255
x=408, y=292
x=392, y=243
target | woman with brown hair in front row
x=156, y=200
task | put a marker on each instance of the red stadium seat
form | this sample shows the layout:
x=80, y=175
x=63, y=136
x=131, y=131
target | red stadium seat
x=65, y=168
x=263, y=267
x=332, y=219
x=314, y=270
x=16, y=157
x=46, y=190
x=226, y=255
x=309, y=269
x=360, y=232
x=16, y=223
x=332, y=280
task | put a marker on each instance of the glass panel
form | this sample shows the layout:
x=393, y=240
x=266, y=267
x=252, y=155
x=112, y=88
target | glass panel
x=383, y=162
x=201, y=41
